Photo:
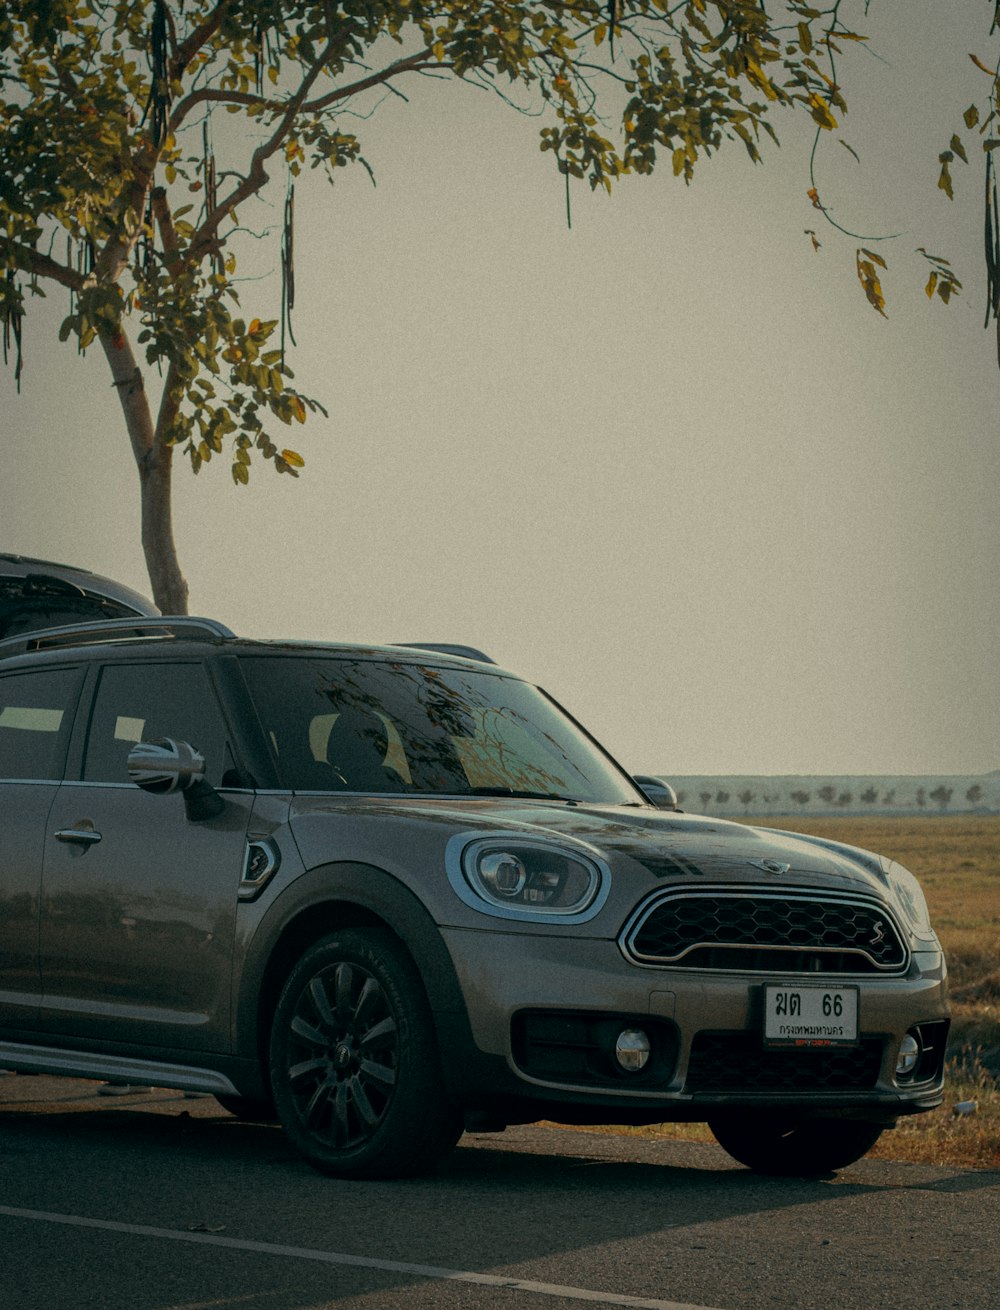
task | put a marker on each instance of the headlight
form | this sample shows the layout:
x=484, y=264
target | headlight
x=910, y=898
x=514, y=877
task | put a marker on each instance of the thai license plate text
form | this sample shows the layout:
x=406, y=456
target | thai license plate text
x=810, y=1016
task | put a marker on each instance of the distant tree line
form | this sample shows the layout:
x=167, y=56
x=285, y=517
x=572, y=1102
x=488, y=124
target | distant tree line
x=941, y=796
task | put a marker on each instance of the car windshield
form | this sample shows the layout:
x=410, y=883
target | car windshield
x=396, y=727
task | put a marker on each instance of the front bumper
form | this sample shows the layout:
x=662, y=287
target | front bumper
x=544, y=1011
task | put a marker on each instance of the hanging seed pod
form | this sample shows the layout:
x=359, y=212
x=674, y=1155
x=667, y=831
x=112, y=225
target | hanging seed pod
x=288, y=270
x=13, y=317
x=158, y=104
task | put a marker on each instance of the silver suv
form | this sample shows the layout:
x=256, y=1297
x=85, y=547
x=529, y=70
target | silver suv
x=37, y=593
x=382, y=894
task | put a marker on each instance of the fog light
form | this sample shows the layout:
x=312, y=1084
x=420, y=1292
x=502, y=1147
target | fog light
x=909, y=1054
x=632, y=1049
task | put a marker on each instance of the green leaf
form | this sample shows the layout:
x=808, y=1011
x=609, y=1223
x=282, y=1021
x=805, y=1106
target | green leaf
x=971, y=116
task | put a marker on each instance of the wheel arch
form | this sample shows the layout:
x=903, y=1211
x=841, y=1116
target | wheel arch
x=345, y=895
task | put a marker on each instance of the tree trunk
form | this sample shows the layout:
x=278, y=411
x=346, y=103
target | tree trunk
x=154, y=460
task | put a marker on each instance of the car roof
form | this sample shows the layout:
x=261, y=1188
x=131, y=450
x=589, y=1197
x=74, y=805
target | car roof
x=184, y=636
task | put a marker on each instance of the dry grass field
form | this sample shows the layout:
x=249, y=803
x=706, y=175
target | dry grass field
x=957, y=859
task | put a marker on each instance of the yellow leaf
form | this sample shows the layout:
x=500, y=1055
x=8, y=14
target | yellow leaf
x=871, y=285
x=820, y=111
x=254, y=327
x=298, y=409
x=294, y=458
x=600, y=32
x=241, y=474
x=931, y=284
x=983, y=68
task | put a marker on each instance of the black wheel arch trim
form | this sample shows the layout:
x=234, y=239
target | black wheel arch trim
x=307, y=910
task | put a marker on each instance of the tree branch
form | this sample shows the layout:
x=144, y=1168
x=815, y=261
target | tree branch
x=187, y=50
x=256, y=176
x=40, y=265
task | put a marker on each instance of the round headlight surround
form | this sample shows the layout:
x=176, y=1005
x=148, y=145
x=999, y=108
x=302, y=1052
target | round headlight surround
x=563, y=881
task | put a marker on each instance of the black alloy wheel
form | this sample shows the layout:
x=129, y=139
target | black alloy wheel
x=354, y=1061
x=778, y=1144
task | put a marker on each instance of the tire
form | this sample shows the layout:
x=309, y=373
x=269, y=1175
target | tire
x=354, y=1063
x=248, y=1109
x=778, y=1144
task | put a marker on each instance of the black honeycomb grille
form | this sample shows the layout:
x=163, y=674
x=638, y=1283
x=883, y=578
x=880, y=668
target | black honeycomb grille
x=734, y=1062
x=760, y=930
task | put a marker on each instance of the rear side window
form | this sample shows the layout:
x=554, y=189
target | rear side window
x=140, y=702
x=36, y=712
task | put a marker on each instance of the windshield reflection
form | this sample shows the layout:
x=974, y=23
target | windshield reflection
x=392, y=727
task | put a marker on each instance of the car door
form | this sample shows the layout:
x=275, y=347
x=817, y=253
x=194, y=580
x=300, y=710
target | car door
x=138, y=900
x=36, y=715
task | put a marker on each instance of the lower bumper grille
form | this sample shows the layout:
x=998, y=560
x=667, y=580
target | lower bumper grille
x=734, y=1062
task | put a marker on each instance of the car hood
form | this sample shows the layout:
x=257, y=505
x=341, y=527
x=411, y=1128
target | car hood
x=653, y=847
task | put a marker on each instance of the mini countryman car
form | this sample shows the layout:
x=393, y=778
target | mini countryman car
x=382, y=894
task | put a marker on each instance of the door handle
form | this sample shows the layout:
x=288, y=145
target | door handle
x=85, y=836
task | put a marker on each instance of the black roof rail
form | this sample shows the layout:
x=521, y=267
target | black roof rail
x=447, y=648
x=102, y=630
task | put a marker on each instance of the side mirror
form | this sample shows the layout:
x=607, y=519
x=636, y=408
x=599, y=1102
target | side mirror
x=163, y=765
x=660, y=793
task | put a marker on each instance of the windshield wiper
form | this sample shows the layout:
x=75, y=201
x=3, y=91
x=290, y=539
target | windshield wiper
x=517, y=794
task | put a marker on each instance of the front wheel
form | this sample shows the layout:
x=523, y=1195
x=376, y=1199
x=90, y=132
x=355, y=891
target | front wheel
x=777, y=1144
x=354, y=1063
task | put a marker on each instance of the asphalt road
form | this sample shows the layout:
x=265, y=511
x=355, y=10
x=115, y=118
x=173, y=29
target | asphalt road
x=157, y=1201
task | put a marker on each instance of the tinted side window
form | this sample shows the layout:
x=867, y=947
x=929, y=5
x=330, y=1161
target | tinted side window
x=36, y=711
x=138, y=702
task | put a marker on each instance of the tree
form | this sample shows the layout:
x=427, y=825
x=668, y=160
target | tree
x=112, y=187
x=974, y=795
x=942, y=795
x=801, y=797
x=827, y=793
x=705, y=797
x=745, y=798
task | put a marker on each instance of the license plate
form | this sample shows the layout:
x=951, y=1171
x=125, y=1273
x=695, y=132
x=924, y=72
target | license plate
x=810, y=1016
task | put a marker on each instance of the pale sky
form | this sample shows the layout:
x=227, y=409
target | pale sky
x=669, y=464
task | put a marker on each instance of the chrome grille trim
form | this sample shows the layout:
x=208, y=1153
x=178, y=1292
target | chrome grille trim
x=772, y=953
